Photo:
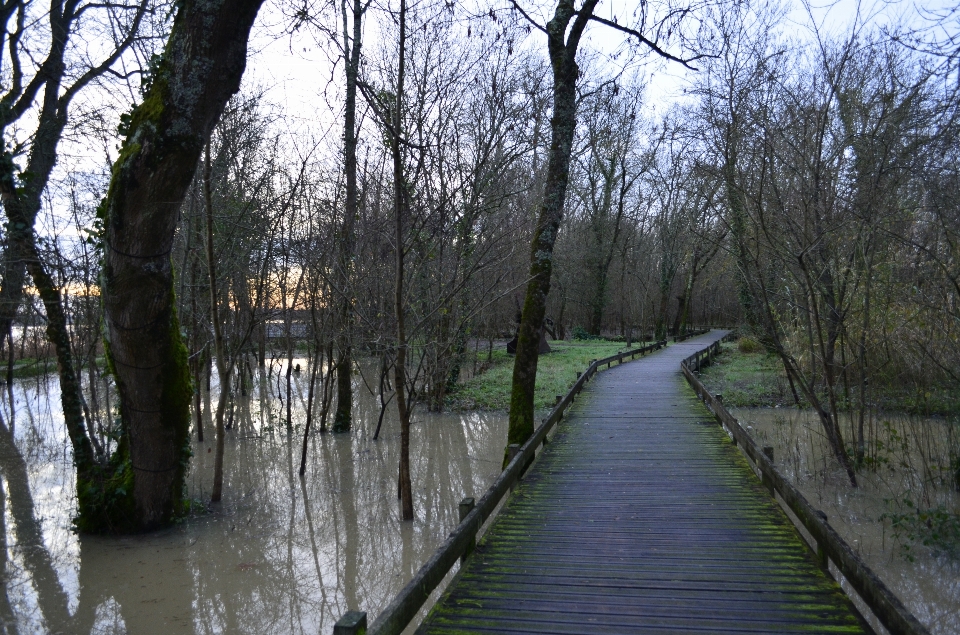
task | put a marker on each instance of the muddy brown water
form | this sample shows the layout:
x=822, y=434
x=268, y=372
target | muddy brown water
x=285, y=555
x=278, y=555
x=907, y=466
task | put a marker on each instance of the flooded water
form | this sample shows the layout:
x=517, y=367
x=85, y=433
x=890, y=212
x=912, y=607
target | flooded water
x=908, y=469
x=278, y=555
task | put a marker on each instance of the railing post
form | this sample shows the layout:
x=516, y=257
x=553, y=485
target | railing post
x=512, y=450
x=822, y=559
x=352, y=623
x=767, y=482
x=466, y=506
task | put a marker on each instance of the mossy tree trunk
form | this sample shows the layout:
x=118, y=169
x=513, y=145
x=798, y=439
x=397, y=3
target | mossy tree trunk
x=563, y=52
x=200, y=68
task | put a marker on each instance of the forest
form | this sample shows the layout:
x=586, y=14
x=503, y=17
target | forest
x=468, y=173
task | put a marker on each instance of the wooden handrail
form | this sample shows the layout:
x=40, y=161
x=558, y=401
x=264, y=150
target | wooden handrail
x=886, y=606
x=414, y=595
x=689, y=334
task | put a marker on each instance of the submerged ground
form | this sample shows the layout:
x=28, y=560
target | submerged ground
x=285, y=555
x=904, y=519
x=278, y=555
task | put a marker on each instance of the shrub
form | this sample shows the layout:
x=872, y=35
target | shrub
x=580, y=333
x=937, y=528
x=748, y=345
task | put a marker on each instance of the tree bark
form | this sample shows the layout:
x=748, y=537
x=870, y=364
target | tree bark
x=563, y=52
x=224, y=366
x=343, y=417
x=405, y=488
x=201, y=67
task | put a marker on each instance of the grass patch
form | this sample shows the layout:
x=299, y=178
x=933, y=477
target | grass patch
x=556, y=373
x=931, y=401
x=27, y=368
x=747, y=377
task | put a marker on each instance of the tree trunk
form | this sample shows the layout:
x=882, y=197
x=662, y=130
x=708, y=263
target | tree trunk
x=314, y=367
x=343, y=417
x=201, y=67
x=563, y=52
x=224, y=366
x=405, y=486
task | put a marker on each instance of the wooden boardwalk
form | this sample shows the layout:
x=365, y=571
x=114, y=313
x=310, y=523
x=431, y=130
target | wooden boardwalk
x=642, y=517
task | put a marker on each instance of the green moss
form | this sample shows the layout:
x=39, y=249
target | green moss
x=138, y=126
x=105, y=501
x=175, y=406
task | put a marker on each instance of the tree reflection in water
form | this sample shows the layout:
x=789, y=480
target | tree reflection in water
x=279, y=555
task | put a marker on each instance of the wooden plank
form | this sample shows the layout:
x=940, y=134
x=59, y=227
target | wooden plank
x=638, y=518
x=884, y=604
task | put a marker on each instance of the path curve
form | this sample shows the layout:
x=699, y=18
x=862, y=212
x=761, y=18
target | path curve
x=642, y=517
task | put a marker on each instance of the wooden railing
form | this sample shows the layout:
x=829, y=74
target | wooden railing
x=886, y=607
x=689, y=334
x=460, y=542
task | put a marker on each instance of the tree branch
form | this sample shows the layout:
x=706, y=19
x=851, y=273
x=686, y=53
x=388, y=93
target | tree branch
x=527, y=17
x=650, y=44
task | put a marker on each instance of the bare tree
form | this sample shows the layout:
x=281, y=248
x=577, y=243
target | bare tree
x=201, y=67
x=564, y=33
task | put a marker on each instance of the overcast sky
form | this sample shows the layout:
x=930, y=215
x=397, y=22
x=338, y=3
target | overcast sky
x=298, y=74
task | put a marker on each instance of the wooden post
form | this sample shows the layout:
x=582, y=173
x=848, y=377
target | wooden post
x=352, y=623
x=822, y=558
x=768, y=451
x=466, y=506
x=512, y=450
x=559, y=399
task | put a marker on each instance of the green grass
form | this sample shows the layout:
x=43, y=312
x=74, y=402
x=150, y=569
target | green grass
x=757, y=379
x=747, y=380
x=556, y=373
x=29, y=367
